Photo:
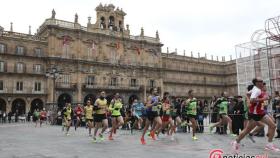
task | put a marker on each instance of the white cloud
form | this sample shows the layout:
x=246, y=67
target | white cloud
x=212, y=27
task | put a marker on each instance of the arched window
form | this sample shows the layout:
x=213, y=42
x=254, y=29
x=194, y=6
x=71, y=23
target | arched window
x=111, y=23
x=2, y=48
x=120, y=26
x=102, y=23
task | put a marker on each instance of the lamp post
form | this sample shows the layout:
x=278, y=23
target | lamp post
x=53, y=73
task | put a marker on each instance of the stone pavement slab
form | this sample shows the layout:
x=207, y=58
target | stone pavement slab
x=26, y=141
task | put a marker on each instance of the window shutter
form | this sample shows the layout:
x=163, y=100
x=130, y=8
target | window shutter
x=34, y=68
x=15, y=67
x=5, y=66
x=24, y=50
x=5, y=48
x=24, y=68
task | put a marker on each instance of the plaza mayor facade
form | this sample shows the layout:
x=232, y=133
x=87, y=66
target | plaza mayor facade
x=67, y=62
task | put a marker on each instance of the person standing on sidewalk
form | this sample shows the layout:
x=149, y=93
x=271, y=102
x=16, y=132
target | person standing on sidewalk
x=276, y=109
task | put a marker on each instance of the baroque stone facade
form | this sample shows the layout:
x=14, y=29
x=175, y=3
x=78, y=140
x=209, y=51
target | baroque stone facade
x=101, y=56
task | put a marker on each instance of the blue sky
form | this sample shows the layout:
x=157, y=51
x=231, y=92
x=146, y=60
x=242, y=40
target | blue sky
x=206, y=26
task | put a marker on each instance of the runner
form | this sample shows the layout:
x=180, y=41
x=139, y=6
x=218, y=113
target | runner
x=153, y=107
x=100, y=118
x=191, y=108
x=223, y=112
x=166, y=117
x=176, y=112
x=257, y=113
x=67, y=117
x=89, y=116
x=117, y=119
x=36, y=115
x=78, y=113
x=43, y=116
x=61, y=113
x=137, y=111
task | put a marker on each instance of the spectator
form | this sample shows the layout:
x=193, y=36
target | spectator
x=200, y=116
x=10, y=114
x=16, y=116
x=29, y=114
x=4, y=117
x=238, y=119
x=1, y=115
x=215, y=110
x=276, y=109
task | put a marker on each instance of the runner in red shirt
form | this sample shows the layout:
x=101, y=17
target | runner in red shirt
x=43, y=116
x=257, y=113
x=78, y=112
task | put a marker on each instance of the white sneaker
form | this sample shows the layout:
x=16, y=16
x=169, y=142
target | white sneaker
x=235, y=147
x=172, y=138
x=272, y=147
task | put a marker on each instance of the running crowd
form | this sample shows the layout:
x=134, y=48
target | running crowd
x=163, y=115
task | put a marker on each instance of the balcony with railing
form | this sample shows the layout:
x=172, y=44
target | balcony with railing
x=66, y=86
x=24, y=90
x=22, y=36
x=26, y=70
x=193, y=82
x=124, y=87
x=71, y=25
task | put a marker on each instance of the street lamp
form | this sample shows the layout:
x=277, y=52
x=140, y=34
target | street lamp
x=53, y=73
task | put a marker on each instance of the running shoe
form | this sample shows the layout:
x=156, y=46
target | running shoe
x=194, y=138
x=272, y=147
x=110, y=138
x=210, y=129
x=235, y=147
x=143, y=142
x=233, y=135
x=67, y=134
x=153, y=135
x=101, y=138
x=90, y=135
x=183, y=124
x=148, y=134
x=172, y=138
x=94, y=140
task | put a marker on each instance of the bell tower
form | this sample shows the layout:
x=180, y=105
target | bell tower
x=109, y=18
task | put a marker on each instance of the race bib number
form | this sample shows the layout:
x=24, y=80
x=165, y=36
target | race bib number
x=168, y=112
x=154, y=108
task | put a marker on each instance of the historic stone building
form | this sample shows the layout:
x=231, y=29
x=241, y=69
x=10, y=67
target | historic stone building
x=67, y=62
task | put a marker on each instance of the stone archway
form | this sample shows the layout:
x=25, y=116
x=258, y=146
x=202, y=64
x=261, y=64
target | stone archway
x=36, y=104
x=18, y=105
x=90, y=97
x=63, y=99
x=3, y=105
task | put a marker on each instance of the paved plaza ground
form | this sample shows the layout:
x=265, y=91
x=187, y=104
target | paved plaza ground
x=25, y=141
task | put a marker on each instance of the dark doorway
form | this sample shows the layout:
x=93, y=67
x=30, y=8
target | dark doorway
x=63, y=99
x=36, y=104
x=2, y=105
x=18, y=105
x=90, y=97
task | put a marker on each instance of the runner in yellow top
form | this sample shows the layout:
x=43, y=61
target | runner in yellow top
x=68, y=113
x=117, y=119
x=89, y=116
x=100, y=117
